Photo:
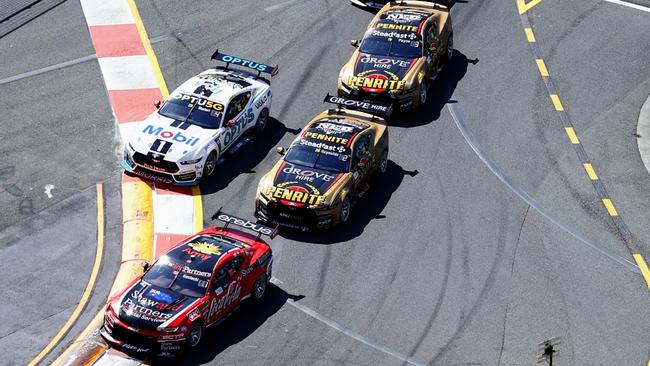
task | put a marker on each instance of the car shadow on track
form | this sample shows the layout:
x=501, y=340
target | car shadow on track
x=244, y=322
x=440, y=93
x=368, y=208
x=243, y=159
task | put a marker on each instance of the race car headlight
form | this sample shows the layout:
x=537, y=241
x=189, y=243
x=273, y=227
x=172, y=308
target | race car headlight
x=325, y=207
x=190, y=162
x=263, y=198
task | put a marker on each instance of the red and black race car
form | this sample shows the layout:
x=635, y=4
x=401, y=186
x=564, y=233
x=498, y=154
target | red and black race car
x=195, y=285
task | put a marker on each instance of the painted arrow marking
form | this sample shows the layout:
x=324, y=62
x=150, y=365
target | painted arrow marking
x=524, y=7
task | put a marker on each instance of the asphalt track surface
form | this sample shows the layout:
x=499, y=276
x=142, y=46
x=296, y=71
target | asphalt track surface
x=442, y=263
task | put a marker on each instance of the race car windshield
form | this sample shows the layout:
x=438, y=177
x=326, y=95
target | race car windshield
x=408, y=46
x=194, y=113
x=318, y=159
x=177, y=277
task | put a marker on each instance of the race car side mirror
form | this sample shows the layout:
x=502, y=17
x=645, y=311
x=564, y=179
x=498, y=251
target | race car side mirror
x=157, y=103
x=354, y=43
x=433, y=46
x=280, y=150
x=231, y=123
x=231, y=272
x=145, y=266
x=363, y=162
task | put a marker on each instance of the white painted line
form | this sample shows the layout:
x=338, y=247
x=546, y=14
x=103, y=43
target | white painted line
x=127, y=72
x=48, y=190
x=107, y=12
x=630, y=5
x=173, y=214
x=280, y=5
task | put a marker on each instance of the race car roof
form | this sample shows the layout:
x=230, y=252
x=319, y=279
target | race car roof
x=408, y=20
x=203, y=251
x=333, y=130
x=215, y=85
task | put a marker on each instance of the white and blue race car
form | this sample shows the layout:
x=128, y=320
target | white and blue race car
x=182, y=141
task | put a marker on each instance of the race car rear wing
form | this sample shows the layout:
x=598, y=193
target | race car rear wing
x=246, y=224
x=260, y=68
x=374, y=109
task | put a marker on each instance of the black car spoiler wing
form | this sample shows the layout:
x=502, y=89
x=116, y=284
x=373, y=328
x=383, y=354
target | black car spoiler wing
x=260, y=68
x=246, y=224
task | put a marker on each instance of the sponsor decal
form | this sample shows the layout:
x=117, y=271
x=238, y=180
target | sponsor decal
x=133, y=348
x=327, y=138
x=307, y=175
x=376, y=82
x=340, y=149
x=176, y=137
x=397, y=27
x=264, y=257
x=333, y=128
x=216, y=306
x=197, y=254
x=188, y=270
x=205, y=248
x=153, y=177
x=138, y=310
x=384, y=63
x=243, y=62
x=289, y=193
x=160, y=296
x=193, y=315
x=170, y=346
x=404, y=17
x=246, y=271
x=233, y=132
x=261, y=101
x=355, y=104
x=394, y=34
x=201, y=102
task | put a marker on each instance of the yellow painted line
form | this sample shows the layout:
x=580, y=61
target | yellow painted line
x=542, y=67
x=198, y=209
x=89, y=286
x=524, y=7
x=643, y=266
x=147, y=47
x=556, y=103
x=610, y=207
x=590, y=171
x=572, y=135
x=529, y=34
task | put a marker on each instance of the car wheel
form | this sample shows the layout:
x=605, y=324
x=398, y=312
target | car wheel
x=195, y=335
x=210, y=164
x=383, y=163
x=423, y=92
x=262, y=120
x=344, y=214
x=450, y=47
x=259, y=287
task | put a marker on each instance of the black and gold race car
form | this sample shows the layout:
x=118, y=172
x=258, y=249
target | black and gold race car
x=404, y=49
x=326, y=168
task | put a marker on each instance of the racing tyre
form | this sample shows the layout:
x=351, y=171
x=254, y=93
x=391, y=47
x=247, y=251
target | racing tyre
x=210, y=164
x=450, y=47
x=262, y=120
x=344, y=215
x=195, y=335
x=383, y=163
x=259, y=287
x=423, y=92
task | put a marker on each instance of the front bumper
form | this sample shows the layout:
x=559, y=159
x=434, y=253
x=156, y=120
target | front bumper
x=301, y=218
x=141, y=342
x=399, y=101
x=183, y=177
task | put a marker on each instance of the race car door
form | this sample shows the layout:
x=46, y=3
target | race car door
x=237, y=119
x=226, y=290
x=361, y=163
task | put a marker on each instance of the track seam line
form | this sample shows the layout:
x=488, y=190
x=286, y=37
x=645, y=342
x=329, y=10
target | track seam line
x=598, y=185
